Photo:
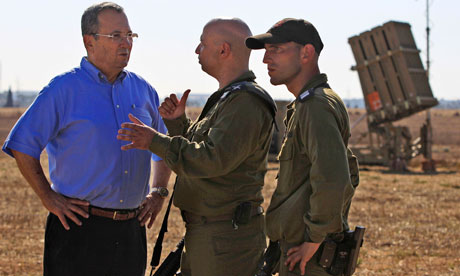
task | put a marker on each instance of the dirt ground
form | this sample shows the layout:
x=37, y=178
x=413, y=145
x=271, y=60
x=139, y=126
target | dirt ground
x=412, y=219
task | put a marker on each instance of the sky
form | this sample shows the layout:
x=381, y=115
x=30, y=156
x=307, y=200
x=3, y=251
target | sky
x=42, y=39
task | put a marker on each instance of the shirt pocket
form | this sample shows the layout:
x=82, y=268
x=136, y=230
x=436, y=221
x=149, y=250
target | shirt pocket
x=285, y=158
x=143, y=115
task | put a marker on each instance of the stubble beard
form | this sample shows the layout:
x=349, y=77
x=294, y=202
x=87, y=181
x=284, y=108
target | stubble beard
x=275, y=81
x=278, y=80
x=286, y=78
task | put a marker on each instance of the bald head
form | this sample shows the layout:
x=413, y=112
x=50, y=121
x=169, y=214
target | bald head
x=232, y=31
x=222, y=52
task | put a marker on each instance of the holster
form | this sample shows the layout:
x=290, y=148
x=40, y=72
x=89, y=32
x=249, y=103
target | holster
x=339, y=252
x=269, y=264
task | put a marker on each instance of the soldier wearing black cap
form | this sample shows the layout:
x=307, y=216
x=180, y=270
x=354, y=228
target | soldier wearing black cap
x=318, y=172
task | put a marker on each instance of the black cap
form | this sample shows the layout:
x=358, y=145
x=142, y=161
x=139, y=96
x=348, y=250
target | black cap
x=287, y=30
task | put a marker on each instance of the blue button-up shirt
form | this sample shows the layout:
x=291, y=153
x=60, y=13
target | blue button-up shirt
x=76, y=117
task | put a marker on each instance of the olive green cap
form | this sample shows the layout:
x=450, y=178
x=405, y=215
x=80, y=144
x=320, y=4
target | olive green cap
x=287, y=30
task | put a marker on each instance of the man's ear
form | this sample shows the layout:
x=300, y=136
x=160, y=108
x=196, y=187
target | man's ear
x=307, y=52
x=225, y=49
x=88, y=41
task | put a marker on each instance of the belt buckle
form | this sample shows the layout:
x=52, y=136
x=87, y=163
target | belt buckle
x=122, y=215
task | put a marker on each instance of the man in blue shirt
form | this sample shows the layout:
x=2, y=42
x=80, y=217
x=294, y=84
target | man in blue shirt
x=99, y=199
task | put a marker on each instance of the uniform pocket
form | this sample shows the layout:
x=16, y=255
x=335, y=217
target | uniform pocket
x=237, y=241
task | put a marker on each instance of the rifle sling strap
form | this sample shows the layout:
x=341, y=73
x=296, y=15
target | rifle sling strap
x=159, y=243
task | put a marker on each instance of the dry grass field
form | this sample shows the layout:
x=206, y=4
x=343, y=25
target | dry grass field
x=412, y=219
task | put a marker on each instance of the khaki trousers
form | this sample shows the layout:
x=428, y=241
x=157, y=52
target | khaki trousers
x=312, y=268
x=216, y=249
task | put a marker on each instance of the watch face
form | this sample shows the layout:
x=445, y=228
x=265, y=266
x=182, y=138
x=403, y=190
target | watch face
x=163, y=192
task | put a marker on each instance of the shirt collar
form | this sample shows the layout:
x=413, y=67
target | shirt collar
x=215, y=97
x=312, y=84
x=246, y=76
x=96, y=74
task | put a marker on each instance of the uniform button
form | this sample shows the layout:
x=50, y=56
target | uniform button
x=121, y=200
x=118, y=106
x=126, y=172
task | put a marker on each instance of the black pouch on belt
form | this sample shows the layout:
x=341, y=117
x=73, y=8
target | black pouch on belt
x=339, y=253
x=242, y=214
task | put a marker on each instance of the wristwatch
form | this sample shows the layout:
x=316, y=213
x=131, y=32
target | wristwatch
x=161, y=191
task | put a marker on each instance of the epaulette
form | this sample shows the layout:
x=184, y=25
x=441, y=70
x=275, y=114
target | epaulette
x=306, y=95
x=234, y=87
x=309, y=93
x=256, y=90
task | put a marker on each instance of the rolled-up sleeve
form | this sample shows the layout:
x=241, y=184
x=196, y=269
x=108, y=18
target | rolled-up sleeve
x=38, y=125
x=157, y=121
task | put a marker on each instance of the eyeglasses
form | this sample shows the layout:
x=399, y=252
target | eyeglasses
x=117, y=37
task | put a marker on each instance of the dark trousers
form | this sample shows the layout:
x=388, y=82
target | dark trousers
x=100, y=247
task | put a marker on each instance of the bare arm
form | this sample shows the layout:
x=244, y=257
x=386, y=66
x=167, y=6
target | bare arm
x=162, y=174
x=57, y=204
x=152, y=204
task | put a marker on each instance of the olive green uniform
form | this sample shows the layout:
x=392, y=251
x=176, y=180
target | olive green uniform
x=318, y=173
x=220, y=160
